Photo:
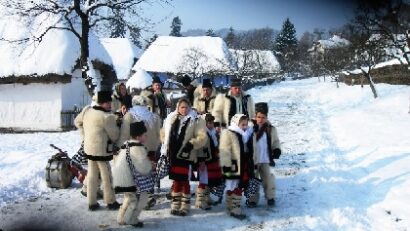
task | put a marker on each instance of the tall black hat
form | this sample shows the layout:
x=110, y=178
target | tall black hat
x=206, y=83
x=104, y=96
x=236, y=82
x=186, y=80
x=156, y=79
x=261, y=107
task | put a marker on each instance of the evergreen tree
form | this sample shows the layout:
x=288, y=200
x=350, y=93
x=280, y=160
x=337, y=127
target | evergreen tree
x=151, y=40
x=230, y=38
x=176, y=27
x=211, y=33
x=286, y=47
x=286, y=39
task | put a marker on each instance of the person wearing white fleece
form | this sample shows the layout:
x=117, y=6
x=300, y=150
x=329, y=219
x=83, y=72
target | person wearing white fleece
x=131, y=176
x=184, y=133
x=266, y=149
x=209, y=170
x=236, y=160
x=140, y=112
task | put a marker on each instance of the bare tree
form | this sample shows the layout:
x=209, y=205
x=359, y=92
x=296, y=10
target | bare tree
x=366, y=52
x=378, y=25
x=334, y=61
x=80, y=17
x=391, y=21
x=193, y=62
x=254, y=65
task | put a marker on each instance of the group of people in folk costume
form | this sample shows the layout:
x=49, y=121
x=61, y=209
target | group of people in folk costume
x=225, y=138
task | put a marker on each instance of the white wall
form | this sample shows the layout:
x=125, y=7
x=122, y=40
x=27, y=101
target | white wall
x=33, y=106
x=75, y=93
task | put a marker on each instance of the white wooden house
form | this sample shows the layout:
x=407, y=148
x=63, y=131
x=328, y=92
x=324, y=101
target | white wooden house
x=40, y=83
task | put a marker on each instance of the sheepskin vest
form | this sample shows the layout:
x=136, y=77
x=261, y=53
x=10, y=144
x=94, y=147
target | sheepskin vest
x=123, y=180
x=272, y=139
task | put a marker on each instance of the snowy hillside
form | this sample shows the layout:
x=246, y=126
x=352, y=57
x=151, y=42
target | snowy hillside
x=345, y=166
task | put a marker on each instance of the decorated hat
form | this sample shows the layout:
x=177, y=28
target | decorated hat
x=236, y=82
x=186, y=80
x=206, y=83
x=104, y=96
x=137, y=128
x=261, y=107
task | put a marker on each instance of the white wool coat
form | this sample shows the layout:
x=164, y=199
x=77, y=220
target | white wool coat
x=199, y=102
x=229, y=151
x=148, y=94
x=97, y=127
x=121, y=172
x=195, y=134
x=153, y=127
x=222, y=107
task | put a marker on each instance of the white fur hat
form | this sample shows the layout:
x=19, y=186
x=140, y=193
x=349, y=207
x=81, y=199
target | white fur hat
x=236, y=118
x=139, y=100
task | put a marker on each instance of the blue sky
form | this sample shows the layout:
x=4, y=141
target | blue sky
x=250, y=14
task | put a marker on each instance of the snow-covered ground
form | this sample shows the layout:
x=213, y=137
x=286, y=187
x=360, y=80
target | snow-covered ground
x=345, y=166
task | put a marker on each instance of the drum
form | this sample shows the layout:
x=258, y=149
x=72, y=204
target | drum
x=58, y=174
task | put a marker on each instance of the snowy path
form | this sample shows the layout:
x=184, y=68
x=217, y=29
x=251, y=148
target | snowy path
x=307, y=198
x=325, y=181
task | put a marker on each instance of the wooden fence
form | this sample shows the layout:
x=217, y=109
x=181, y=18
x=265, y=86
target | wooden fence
x=67, y=119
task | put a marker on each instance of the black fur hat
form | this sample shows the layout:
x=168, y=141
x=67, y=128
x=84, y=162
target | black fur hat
x=156, y=79
x=104, y=96
x=262, y=107
x=206, y=83
x=186, y=80
x=137, y=128
x=209, y=117
x=236, y=82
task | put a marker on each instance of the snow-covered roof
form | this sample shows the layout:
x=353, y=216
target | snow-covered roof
x=140, y=79
x=201, y=54
x=334, y=42
x=57, y=53
x=123, y=54
x=264, y=61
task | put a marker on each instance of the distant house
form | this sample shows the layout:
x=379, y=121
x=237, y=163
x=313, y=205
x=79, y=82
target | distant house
x=319, y=47
x=41, y=84
x=172, y=57
x=124, y=54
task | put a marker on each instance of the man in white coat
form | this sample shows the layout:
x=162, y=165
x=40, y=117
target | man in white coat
x=99, y=129
x=236, y=101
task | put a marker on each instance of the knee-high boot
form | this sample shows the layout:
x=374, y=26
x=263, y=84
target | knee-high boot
x=228, y=200
x=175, y=202
x=236, y=210
x=185, y=204
x=201, y=199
